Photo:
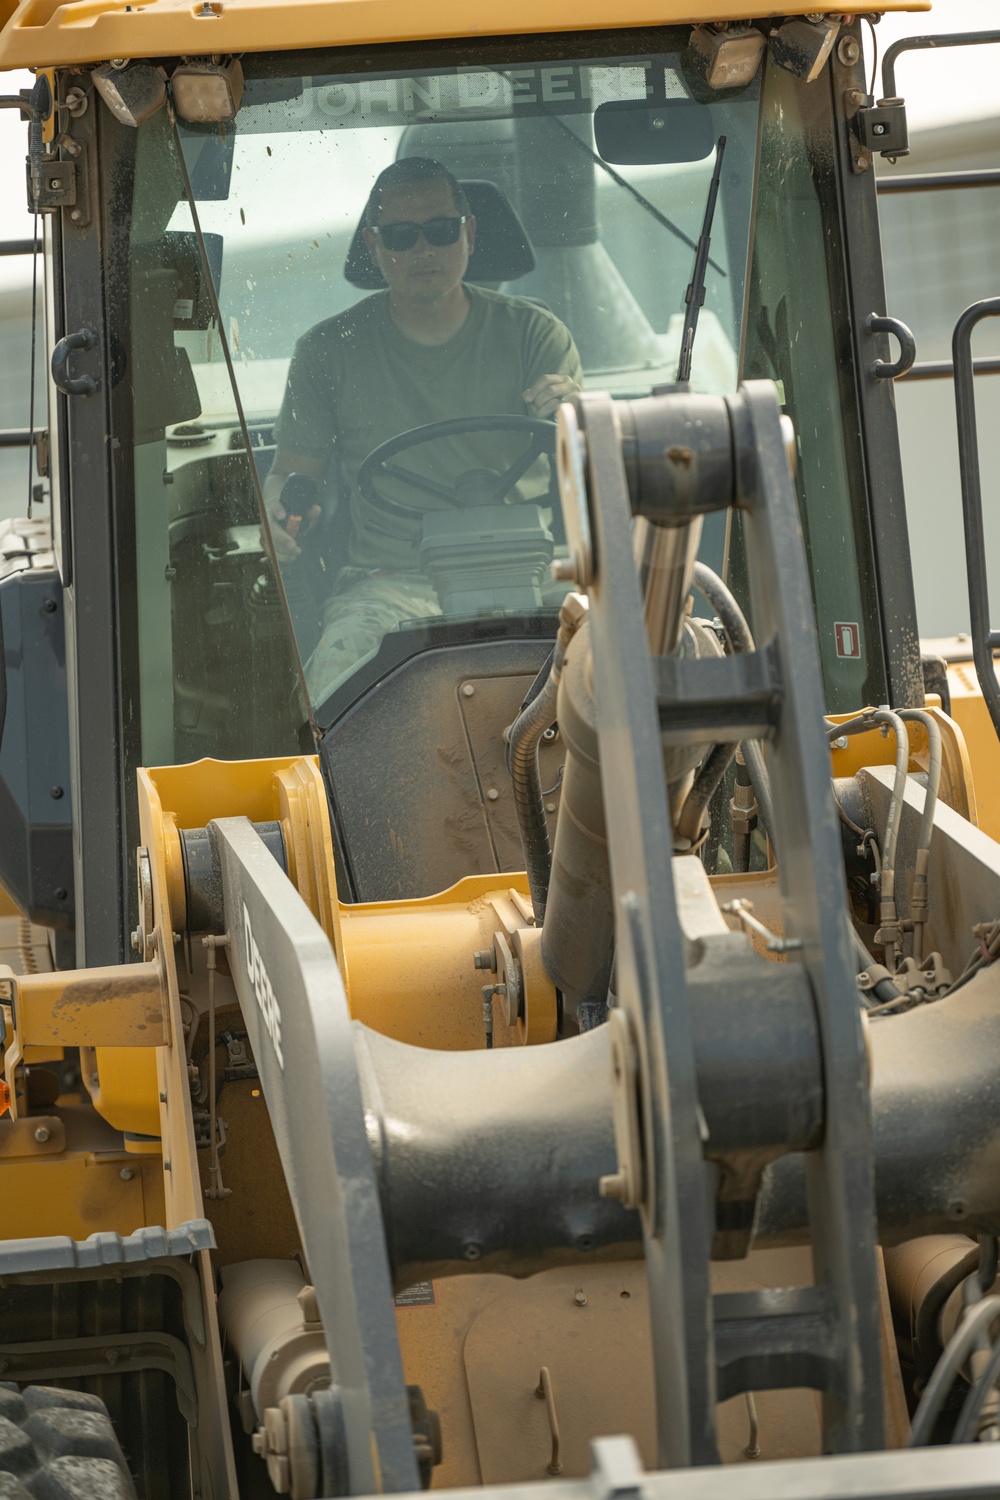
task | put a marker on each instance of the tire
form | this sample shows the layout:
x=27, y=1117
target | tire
x=59, y=1445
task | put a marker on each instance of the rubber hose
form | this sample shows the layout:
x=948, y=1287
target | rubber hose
x=523, y=739
x=739, y=639
x=713, y=768
x=919, y=716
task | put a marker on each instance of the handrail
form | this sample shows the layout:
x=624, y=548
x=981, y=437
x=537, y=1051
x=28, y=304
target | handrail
x=984, y=639
x=943, y=369
x=920, y=43
x=925, y=182
x=20, y=247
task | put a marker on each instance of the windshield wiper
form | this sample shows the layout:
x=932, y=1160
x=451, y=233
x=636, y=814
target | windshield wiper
x=695, y=294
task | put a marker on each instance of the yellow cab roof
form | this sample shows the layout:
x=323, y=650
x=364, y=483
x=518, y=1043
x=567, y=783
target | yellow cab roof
x=61, y=33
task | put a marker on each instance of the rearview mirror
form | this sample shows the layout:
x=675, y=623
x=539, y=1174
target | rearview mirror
x=636, y=132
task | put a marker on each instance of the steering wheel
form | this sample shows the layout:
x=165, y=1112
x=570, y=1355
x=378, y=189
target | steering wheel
x=475, y=487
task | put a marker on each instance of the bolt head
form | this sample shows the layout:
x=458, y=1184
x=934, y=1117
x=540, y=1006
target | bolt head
x=126, y=1174
x=467, y=689
x=580, y=1297
x=42, y=1134
x=848, y=51
x=564, y=570
x=492, y=794
x=137, y=939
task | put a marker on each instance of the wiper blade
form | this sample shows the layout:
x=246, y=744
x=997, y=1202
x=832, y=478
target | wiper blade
x=695, y=294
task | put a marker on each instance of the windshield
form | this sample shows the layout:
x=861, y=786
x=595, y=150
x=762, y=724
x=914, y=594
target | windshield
x=414, y=266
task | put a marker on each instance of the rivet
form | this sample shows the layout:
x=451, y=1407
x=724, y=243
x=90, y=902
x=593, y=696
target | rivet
x=42, y=1134
x=580, y=1297
x=126, y=1174
x=50, y=606
x=467, y=689
x=55, y=793
x=492, y=794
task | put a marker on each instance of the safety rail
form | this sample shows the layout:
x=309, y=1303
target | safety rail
x=984, y=639
x=924, y=182
x=922, y=43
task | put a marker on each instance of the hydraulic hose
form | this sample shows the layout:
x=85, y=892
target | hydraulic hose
x=734, y=621
x=976, y=1321
x=887, y=892
x=523, y=738
x=713, y=768
x=738, y=639
x=918, y=898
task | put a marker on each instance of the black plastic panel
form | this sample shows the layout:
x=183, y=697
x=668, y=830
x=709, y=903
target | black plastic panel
x=36, y=818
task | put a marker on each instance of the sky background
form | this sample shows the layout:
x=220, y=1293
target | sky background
x=957, y=84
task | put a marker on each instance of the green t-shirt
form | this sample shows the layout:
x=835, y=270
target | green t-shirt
x=355, y=381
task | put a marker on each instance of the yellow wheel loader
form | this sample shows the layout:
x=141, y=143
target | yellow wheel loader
x=500, y=918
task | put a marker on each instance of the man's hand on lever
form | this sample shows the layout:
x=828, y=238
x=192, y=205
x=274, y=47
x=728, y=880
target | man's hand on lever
x=549, y=392
x=290, y=500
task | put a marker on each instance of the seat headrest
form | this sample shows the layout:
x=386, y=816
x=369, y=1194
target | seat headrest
x=503, y=251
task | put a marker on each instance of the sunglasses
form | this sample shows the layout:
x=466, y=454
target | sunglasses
x=404, y=233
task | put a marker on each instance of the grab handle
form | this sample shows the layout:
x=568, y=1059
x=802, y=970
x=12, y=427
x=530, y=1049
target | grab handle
x=880, y=368
x=74, y=385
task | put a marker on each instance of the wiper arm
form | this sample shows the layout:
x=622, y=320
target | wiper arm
x=695, y=294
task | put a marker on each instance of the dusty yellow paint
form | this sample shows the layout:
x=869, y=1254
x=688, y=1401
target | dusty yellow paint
x=407, y=965
x=968, y=709
x=45, y=32
x=875, y=749
x=126, y=1091
x=79, y=1194
x=117, y=1006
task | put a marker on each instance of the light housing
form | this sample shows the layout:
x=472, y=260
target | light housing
x=207, y=91
x=132, y=91
x=803, y=46
x=726, y=56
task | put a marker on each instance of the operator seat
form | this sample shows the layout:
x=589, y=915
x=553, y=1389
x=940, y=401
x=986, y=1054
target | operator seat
x=503, y=250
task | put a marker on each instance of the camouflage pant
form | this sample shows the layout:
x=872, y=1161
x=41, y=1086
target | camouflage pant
x=361, y=610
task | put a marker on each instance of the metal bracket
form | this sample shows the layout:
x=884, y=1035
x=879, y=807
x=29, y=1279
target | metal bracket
x=57, y=187
x=104, y=1354
x=656, y=989
x=305, y=1054
x=882, y=127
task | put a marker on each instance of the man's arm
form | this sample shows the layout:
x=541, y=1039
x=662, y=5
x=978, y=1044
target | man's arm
x=304, y=432
x=548, y=393
x=554, y=369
